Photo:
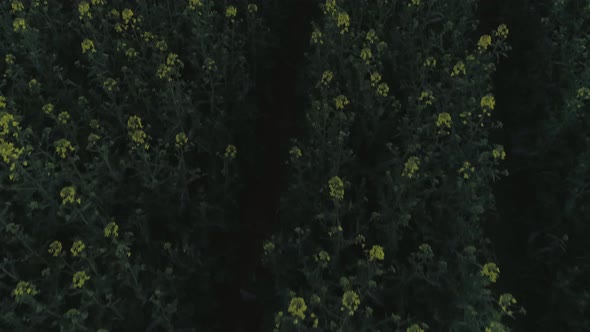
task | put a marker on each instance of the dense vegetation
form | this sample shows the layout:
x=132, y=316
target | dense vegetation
x=337, y=165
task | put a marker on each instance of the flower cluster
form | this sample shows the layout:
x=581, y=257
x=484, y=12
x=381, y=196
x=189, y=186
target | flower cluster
x=376, y=253
x=22, y=289
x=411, y=167
x=111, y=230
x=77, y=248
x=230, y=152
x=79, y=279
x=88, y=46
x=343, y=22
x=62, y=146
x=484, y=42
x=491, y=271
x=181, y=140
x=68, y=195
x=426, y=97
x=341, y=101
x=466, y=170
x=350, y=301
x=459, y=68
x=336, y=188
x=297, y=307
x=166, y=69
x=444, y=119
x=55, y=248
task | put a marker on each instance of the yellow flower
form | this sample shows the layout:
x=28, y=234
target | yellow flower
x=330, y=7
x=194, y=4
x=340, y=102
x=231, y=12
x=444, y=119
x=62, y=146
x=350, y=301
x=19, y=24
x=426, y=97
x=315, y=320
x=9, y=59
x=488, y=101
x=371, y=36
x=466, y=169
x=138, y=136
x=297, y=307
x=88, y=45
x=430, y=62
x=336, y=188
x=414, y=328
x=499, y=152
x=33, y=83
x=414, y=3
x=491, y=271
x=505, y=301
x=502, y=31
x=181, y=140
x=209, y=64
x=583, y=93
x=16, y=6
x=63, y=117
x=459, y=68
x=366, y=55
x=495, y=327
x=48, y=108
x=411, y=167
x=230, y=152
x=68, y=195
x=268, y=247
x=484, y=42
x=2, y=102
x=84, y=9
x=98, y=2
x=127, y=15
x=376, y=253
x=80, y=278
x=134, y=122
x=23, y=288
x=327, y=77
x=343, y=22
x=383, y=89
x=295, y=153
x=316, y=37
x=375, y=78
x=131, y=52
x=252, y=8
x=77, y=248
x=109, y=84
x=55, y=248
x=111, y=230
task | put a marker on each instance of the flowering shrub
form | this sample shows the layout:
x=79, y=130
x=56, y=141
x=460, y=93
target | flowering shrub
x=118, y=139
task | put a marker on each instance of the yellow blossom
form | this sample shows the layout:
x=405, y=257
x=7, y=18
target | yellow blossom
x=336, y=188
x=63, y=117
x=9, y=59
x=376, y=253
x=77, y=248
x=109, y=84
x=430, y=62
x=499, y=152
x=231, y=12
x=383, y=89
x=414, y=328
x=19, y=24
x=505, y=301
x=48, y=108
x=268, y=247
x=84, y=9
x=316, y=37
x=327, y=77
x=466, y=170
x=488, y=101
x=411, y=167
x=181, y=140
x=484, y=42
x=16, y=6
x=495, y=327
x=111, y=230
x=366, y=55
x=491, y=271
x=330, y=7
x=350, y=301
x=459, y=68
x=343, y=22
x=295, y=153
x=2, y=102
x=341, y=101
x=79, y=279
x=22, y=289
x=88, y=45
x=55, y=248
x=583, y=93
x=134, y=122
x=127, y=16
x=297, y=307
x=33, y=84
x=371, y=36
x=502, y=31
x=375, y=78
x=444, y=119
x=62, y=146
x=194, y=4
x=68, y=194
x=426, y=97
x=252, y=8
x=230, y=152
